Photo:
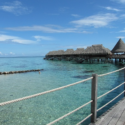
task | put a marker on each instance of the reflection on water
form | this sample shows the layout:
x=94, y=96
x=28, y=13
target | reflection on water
x=82, y=77
x=88, y=71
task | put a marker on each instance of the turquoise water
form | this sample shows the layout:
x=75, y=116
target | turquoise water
x=46, y=108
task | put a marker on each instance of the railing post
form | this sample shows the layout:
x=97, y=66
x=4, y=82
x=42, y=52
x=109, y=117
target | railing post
x=94, y=98
x=124, y=81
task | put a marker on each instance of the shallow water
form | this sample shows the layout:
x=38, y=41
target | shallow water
x=46, y=108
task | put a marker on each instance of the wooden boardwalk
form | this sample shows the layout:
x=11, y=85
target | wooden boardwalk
x=118, y=56
x=114, y=116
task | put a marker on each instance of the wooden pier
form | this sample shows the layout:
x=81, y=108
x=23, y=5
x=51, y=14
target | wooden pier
x=118, y=56
x=114, y=116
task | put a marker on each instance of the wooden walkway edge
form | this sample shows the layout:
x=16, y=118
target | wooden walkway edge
x=114, y=116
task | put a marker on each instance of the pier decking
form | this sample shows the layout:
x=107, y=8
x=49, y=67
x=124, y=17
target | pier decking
x=118, y=56
x=114, y=116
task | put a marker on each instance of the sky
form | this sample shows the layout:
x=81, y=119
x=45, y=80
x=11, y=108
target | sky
x=35, y=27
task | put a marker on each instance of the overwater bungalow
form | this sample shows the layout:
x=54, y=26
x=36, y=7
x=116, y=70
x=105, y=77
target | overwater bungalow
x=96, y=53
x=119, y=52
x=59, y=54
x=119, y=47
x=90, y=54
x=79, y=55
x=68, y=54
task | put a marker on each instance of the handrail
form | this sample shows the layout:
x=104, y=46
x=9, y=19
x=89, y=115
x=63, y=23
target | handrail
x=110, y=101
x=84, y=119
x=111, y=90
x=42, y=93
x=69, y=113
x=111, y=72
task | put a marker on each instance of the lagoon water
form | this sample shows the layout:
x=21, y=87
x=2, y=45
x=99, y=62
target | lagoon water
x=46, y=108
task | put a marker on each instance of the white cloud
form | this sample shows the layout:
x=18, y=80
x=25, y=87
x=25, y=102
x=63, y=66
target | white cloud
x=1, y=53
x=122, y=37
x=123, y=30
x=15, y=7
x=122, y=1
x=119, y=1
x=11, y=53
x=110, y=8
x=99, y=20
x=39, y=38
x=48, y=29
x=43, y=28
x=7, y=38
x=122, y=16
x=75, y=15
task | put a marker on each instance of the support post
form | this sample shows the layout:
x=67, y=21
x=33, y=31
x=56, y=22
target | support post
x=124, y=81
x=94, y=98
x=115, y=60
x=120, y=60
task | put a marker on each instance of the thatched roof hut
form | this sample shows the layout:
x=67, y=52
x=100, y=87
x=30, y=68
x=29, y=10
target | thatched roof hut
x=100, y=49
x=79, y=51
x=69, y=52
x=119, y=47
x=96, y=50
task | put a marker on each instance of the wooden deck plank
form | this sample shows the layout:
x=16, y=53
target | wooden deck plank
x=122, y=118
x=113, y=121
x=114, y=116
x=120, y=123
x=117, y=116
x=108, y=117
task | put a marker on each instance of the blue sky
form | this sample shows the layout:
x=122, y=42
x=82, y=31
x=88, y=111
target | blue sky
x=35, y=27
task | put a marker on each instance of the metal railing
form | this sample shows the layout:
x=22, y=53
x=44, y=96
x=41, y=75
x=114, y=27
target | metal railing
x=93, y=100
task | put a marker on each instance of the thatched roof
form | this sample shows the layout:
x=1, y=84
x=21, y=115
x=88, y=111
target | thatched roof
x=69, y=52
x=79, y=51
x=49, y=53
x=93, y=50
x=100, y=49
x=60, y=52
x=108, y=51
x=90, y=50
x=55, y=52
x=97, y=49
x=119, y=47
